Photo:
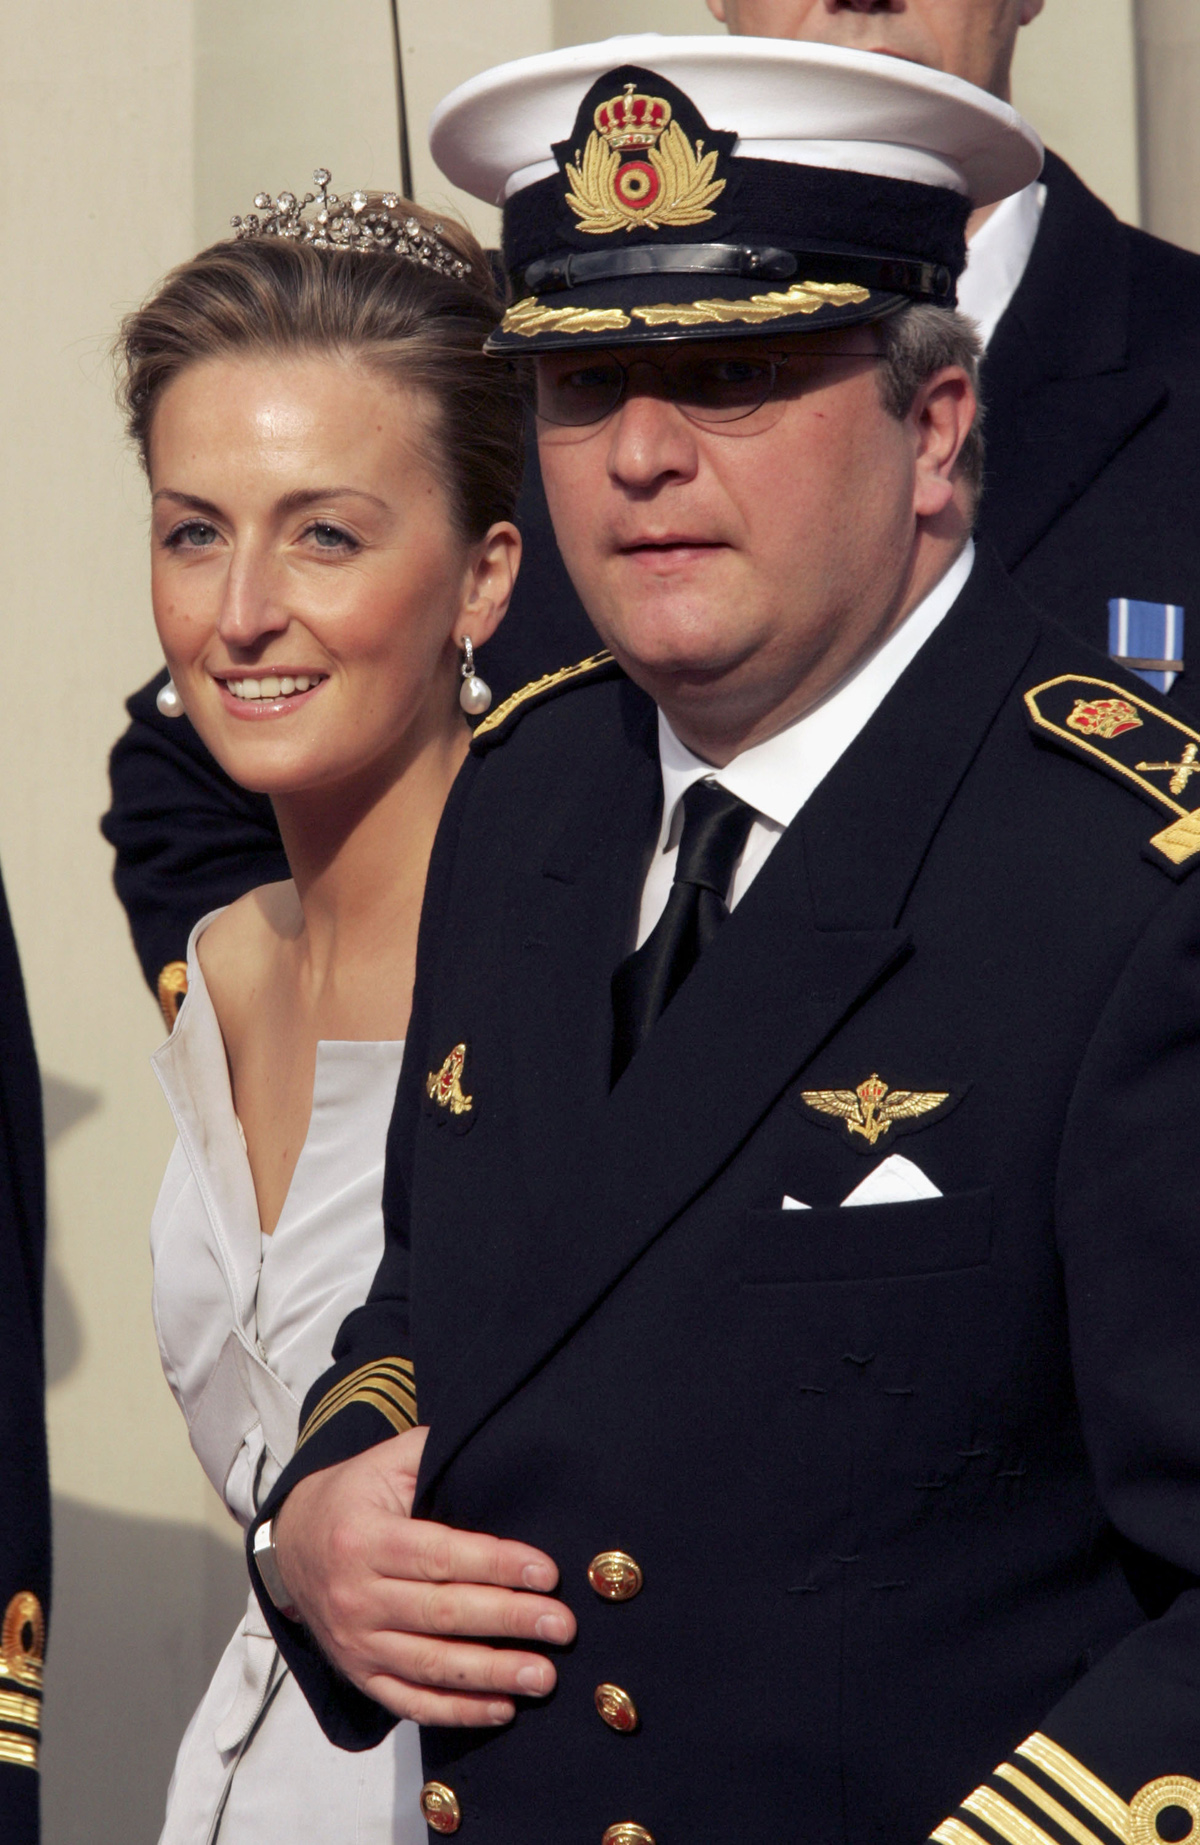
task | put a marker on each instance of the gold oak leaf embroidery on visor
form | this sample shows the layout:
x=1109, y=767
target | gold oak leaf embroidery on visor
x=386, y=1384
x=871, y=1109
x=800, y=298
x=639, y=170
x=530, y=316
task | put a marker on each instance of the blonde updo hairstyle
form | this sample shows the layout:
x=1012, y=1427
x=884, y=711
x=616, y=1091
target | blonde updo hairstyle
x=417, y=328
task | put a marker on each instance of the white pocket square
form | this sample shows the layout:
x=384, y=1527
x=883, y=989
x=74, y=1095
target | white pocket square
x=895, y=1181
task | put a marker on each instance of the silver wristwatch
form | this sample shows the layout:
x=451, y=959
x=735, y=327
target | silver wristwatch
x=268, y=1568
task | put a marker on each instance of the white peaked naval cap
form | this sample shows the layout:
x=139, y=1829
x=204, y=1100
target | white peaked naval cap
x=810, y=105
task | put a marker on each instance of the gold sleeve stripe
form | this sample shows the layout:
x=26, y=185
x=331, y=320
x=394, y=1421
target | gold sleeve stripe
x=15, y=1707
x=392, y=1398
x=953, y=1832
x=383, y=1374
x=1067, y=1822
x=386, y=1385
x=1085, y=1788
x=495, y=718
x=995, y=1812
x=21, y=1750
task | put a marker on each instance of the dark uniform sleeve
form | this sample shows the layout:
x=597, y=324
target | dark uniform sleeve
x=1118, y=1759
x=24, y=1489
x=187, y=838
x=369, y=1393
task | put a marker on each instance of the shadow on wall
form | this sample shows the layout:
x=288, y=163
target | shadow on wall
x=64, y=1105
x=134, y=1600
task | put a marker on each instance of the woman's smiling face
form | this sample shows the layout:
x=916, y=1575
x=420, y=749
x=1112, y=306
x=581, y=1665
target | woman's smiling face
x=310, y=584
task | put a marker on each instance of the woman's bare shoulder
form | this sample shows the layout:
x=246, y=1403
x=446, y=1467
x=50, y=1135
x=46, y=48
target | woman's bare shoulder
x=239, y=950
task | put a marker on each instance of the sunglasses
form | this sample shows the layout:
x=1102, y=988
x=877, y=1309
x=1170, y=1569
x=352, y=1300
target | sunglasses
x=711, y=389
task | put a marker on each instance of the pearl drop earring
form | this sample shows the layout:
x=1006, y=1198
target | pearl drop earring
x=475, y=694
x=168, y=700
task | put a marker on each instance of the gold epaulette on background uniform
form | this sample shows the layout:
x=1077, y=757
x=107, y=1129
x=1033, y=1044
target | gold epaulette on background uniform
x=22, y=1650
x=172, y=991
x=498, y=723
x=1134, y=741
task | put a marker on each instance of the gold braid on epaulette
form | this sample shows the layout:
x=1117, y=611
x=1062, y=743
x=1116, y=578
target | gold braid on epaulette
x=1045, y=1796
x=386, y=1384
x=1137, y=743
x=538, y=688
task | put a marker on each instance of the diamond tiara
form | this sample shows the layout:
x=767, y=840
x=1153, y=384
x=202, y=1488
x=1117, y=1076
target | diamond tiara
x=351, y=224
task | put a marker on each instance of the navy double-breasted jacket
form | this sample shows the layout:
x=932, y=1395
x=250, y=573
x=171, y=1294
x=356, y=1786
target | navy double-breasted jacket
x=24, y=1488
x=1092, y=392
x=914, y=1488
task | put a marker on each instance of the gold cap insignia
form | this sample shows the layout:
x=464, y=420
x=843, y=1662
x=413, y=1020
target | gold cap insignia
x=639, y=169
x=444, y=1086
x=1103, y=717
x=871, y=1109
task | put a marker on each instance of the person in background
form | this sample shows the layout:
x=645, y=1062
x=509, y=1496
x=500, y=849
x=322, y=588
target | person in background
x=24, y=1480
x=1091, y=385
x=333, y=466
x=1091, y=391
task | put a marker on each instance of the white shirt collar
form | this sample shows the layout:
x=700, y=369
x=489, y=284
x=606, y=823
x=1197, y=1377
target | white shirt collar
x=778, y=776
x=997, y=257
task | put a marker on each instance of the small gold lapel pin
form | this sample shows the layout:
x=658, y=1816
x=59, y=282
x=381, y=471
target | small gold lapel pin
x=870, y=1109
x=443, y=1086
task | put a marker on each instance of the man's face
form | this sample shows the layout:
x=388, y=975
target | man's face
x=969, y=38
x=739, y=571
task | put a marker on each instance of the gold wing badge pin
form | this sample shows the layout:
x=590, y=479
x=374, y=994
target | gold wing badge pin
x=444, y=1087
x=874, y=1108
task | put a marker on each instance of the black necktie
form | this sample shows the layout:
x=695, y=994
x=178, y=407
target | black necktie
x=715, y=828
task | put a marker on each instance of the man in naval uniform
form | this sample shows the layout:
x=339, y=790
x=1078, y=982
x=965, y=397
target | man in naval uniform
x=791, y=1195
x=25, y=1502
x=1092, y=390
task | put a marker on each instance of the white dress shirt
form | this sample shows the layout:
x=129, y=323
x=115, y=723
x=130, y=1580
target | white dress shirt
x=997, y=257
x=777, y=777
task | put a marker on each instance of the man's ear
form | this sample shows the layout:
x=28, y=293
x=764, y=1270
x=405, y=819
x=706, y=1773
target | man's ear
x=941, y=417
x=717, y=9
x=1029, y=11
x=491, y=578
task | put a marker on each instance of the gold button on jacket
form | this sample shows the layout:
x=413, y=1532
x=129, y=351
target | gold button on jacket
x=616, y=1707
x=627, y=1833
x=615, y=1576
x=439, y=1804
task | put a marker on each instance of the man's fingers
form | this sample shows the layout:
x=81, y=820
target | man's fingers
x=457, y=1666
x=447, y=1710
x=471, y=1610
x=419, y=1550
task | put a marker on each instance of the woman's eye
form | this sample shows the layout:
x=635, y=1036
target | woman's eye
x=193, y=535
x=331, y=537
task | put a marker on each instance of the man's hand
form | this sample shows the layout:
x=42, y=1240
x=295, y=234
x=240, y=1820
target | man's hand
x=386, y=1595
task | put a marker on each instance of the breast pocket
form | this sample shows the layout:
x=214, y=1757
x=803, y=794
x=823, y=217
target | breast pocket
x=870, y=1242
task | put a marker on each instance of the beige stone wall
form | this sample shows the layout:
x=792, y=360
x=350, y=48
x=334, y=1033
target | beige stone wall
x=130, y=132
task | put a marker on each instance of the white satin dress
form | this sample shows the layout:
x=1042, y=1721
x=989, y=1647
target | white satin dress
x=245, y=1325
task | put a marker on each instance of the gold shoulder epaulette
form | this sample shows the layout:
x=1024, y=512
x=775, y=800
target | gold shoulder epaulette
x=498, y=723
x=1134, y=741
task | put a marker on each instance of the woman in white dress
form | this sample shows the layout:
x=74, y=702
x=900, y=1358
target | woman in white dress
x=333, y=466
